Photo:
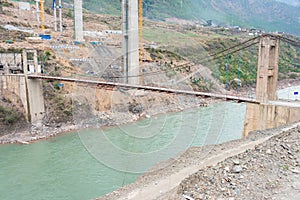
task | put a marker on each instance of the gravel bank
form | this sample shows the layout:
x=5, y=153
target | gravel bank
x=235, y=158
x=270, y=171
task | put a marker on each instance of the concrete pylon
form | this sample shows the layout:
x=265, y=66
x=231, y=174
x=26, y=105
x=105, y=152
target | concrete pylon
x=78, y=21
x=130, y=41
x=267, y=72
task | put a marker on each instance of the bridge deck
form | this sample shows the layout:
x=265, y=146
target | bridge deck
x=151, y=88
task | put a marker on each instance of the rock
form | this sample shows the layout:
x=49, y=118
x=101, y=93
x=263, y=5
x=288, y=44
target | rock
x=268, y=151
x=237, y=169
x=296, y=171
x=227, y=169
x=22, y=142
x=187, y=197
x=236, y=162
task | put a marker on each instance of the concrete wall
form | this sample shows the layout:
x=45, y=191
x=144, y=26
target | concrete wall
x=263, y=116
x=14, y=88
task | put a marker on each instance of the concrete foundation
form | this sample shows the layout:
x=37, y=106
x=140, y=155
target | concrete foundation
x=263, y=116
x=130, y=41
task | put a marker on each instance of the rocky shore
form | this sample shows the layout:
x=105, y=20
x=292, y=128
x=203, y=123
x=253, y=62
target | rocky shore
x=265, y=165
x=270, y=171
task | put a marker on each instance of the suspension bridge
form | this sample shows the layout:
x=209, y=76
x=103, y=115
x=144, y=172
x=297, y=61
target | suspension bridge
x=261, y=112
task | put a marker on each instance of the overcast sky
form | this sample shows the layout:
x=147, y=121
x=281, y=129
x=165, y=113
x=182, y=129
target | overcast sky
x=291, y=2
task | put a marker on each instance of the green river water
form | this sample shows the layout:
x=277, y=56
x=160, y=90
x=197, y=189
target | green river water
x=90, y=163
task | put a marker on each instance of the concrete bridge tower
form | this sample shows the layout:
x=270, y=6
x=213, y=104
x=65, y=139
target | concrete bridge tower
x=130, y=41
x=267, y=72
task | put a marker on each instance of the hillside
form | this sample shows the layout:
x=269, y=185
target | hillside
x=269, y=15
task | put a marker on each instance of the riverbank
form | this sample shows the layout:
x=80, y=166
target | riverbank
x=146, y=107
x=106, y=119
x=273, y=146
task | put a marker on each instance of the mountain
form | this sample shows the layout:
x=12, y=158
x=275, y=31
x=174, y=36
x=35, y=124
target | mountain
x=269, y=15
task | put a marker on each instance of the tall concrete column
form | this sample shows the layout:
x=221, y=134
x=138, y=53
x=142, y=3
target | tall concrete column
x=24, y=58
x=37, y=10
x=55, y=16
x=60, y=15
x=35, y=61
x=130, y=41
x=78, y=21
x=267, y=72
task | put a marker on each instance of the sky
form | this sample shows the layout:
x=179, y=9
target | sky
x=291, y=2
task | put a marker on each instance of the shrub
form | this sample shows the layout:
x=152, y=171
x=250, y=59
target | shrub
x=293, y=76
x=10, y=119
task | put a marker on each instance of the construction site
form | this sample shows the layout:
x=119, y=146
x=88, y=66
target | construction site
x=160, y=99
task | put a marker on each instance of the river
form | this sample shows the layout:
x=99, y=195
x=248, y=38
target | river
x=90, y=163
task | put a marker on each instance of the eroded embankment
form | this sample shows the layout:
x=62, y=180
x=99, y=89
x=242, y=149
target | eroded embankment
x=119, y=108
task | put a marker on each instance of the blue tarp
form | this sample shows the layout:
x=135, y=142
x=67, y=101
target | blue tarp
x=45, y=37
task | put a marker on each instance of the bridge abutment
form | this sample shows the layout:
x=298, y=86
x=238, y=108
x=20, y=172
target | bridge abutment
x=265, y=116
x=18, y=87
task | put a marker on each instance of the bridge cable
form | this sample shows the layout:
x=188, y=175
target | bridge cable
x=207, y=59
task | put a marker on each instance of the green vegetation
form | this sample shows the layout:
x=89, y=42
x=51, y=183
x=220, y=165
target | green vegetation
x=197, y=48
x=289, y=64
x=201, y=84
x=8, y=115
